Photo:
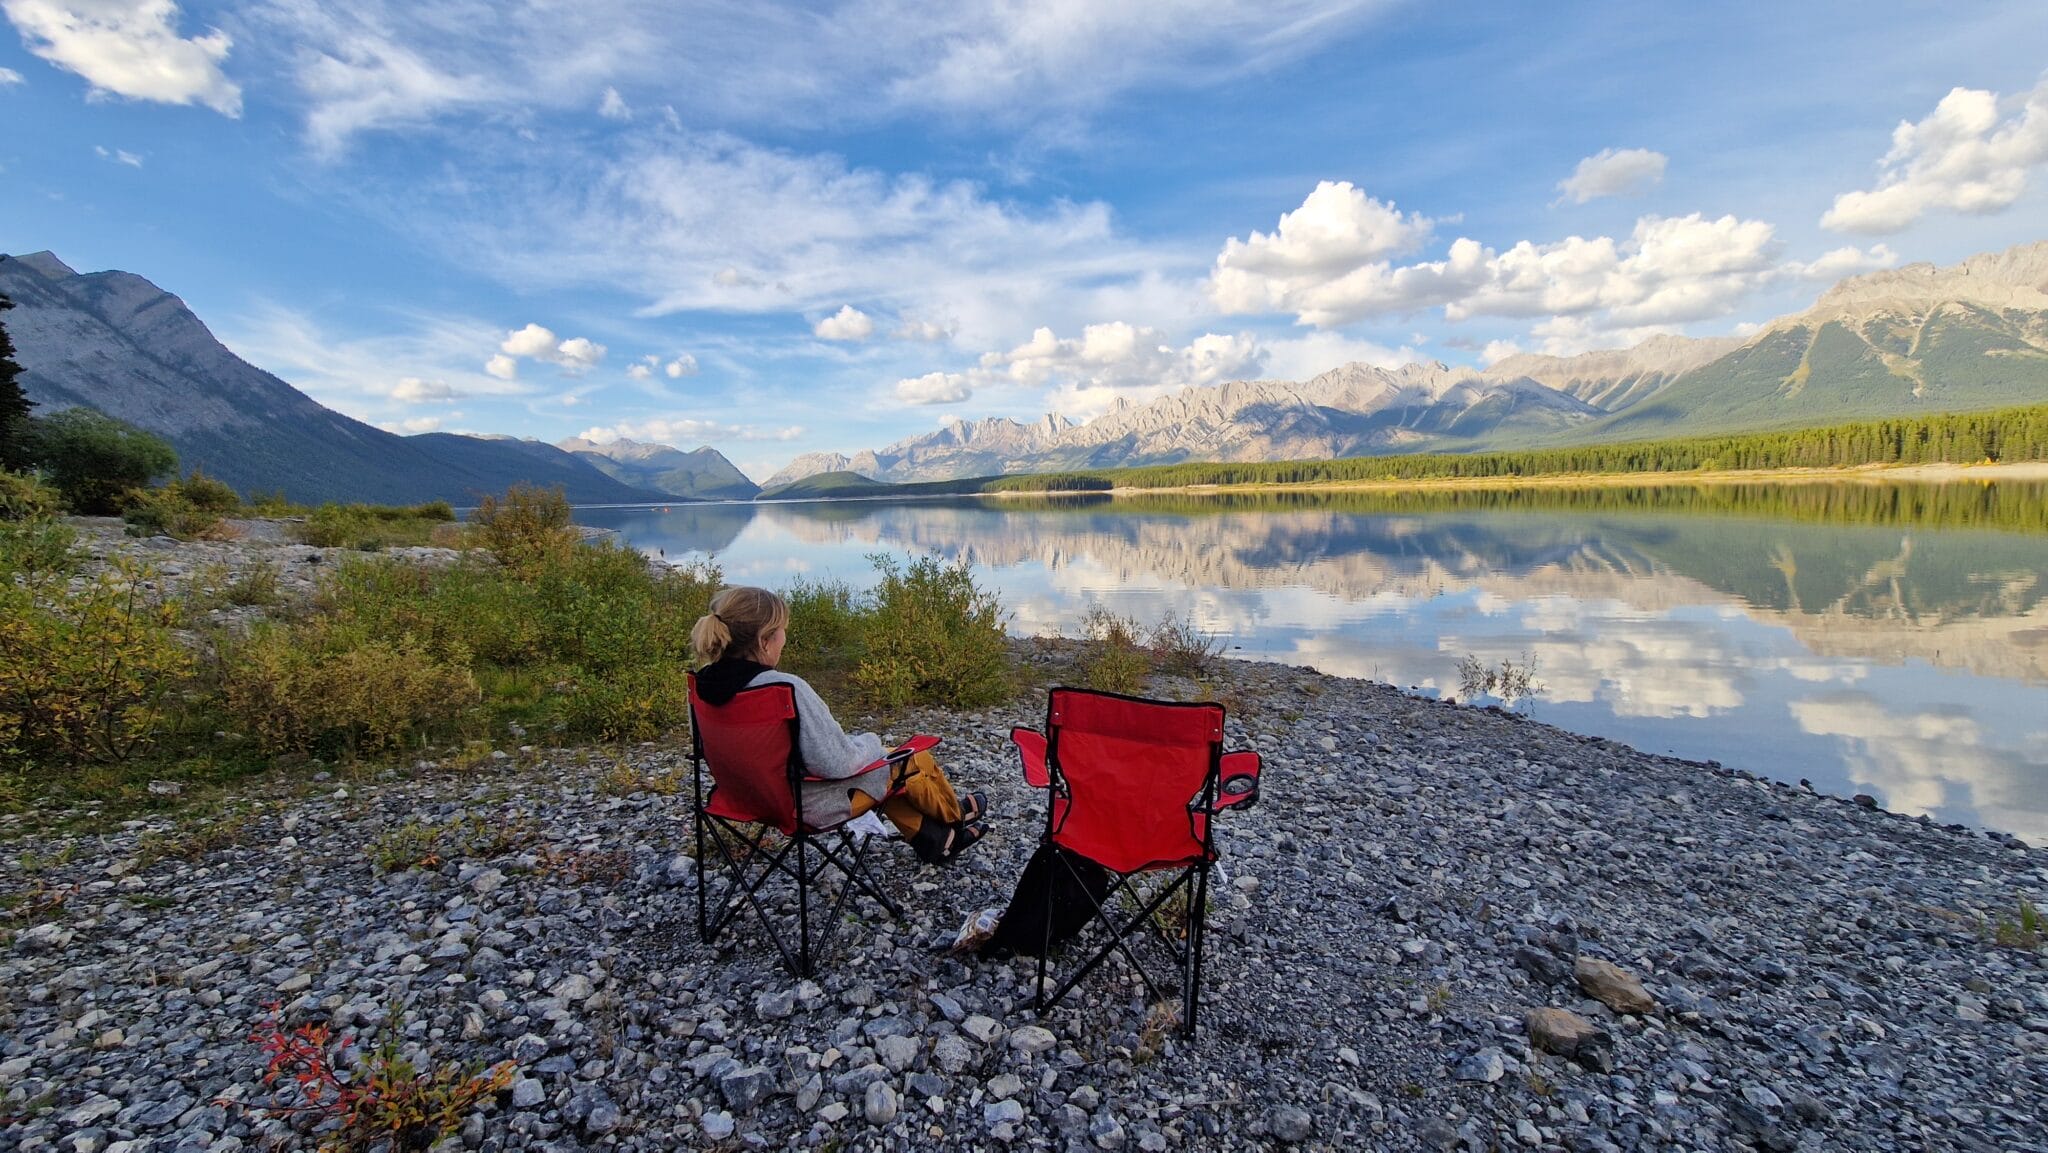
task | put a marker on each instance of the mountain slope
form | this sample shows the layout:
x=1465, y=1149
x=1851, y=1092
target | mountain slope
x=703, y=474
x=115, y=342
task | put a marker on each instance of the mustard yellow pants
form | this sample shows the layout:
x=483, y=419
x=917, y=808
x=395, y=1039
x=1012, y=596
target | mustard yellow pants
x=920, y=790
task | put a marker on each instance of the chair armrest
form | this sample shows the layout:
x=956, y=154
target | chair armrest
x=881, y=765
x=1239, y=786
x=916, y=744
x=1031, y=746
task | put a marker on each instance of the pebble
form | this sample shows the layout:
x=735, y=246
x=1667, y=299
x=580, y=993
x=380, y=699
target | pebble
x=1811, y=972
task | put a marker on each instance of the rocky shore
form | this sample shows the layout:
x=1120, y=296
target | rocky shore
x=1441, y=928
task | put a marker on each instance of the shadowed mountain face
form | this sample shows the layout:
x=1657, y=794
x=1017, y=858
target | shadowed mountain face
x=117, y=343
x=1905, y=342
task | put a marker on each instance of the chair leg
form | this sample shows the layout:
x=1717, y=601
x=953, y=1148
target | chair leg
x=1198, y=931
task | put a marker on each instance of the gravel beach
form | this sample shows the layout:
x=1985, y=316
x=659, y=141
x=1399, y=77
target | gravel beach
x=1441, y=928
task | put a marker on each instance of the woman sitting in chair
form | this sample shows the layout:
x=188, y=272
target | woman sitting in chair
x=739, y=643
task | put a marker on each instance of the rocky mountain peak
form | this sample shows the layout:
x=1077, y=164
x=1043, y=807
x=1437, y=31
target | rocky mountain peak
x=45, y=263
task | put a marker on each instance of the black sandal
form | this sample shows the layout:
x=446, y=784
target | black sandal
x=937, y=842
x=980, y=802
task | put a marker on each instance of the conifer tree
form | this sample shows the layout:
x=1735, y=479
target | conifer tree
x=14, y=404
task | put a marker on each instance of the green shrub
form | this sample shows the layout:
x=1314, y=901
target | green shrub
x=33, y=552
x=1182, y=649
x=1113, y=660
x=372, y=527
x=931, y=637
x=527, y=527
x=633, y=703
x=24, y=498
x=95, y=461
x=314, y=687
x=189, y=509
x=825, y=630
x=85, y=673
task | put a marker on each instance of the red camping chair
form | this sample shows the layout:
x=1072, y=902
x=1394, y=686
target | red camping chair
x=1133, y=786
x=750, y=746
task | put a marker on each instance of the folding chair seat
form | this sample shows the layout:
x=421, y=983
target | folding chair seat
x=751, y=750
x=1134, y=786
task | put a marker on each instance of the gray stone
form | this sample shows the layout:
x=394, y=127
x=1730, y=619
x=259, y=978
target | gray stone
x=880, y=1104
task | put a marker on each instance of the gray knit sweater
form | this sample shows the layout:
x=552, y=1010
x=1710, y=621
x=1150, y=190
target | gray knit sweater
x=829, y=751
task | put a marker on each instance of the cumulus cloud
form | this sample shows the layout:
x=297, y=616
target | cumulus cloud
x=1337, y=228
x=640, y=371
x=849, y=323
x=118, y=156
x=1086, y=375
x=681, y=430
x=1313, y=353
x=413, y=390
x=683, y=365
x=576, y=354
x=1613, y=172
x=1845, y=261
x=413, y=426
x=935, y=388
x=129, y=48
x=9, y=76
x=1972, y=154
x=613, y=106
x=1669, y=270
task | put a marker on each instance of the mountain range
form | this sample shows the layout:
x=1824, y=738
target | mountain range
x=117, y=343
x=1911, y=340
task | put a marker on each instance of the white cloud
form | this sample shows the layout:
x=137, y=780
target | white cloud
x=935, y=388
x=578, y=353
x=1966, y=156
x=1085, y=376
x=849, y=323
x=413, y=390
x=129, y=48
x=9, y=76
x=533, y=340
x=613, y=106
x=363, y=376
x=1497, y=351
x=1845, y=261
x=1613, y=172
x=412, y=426
x=1337, y=228
x=683, y=430
x=683, y=365
x=922, y=330
x=1311, y=354
x=639, y=372
x=118, y=156
x=1668, y=271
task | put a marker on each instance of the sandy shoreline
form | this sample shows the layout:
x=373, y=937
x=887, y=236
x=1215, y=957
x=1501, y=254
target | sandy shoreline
x=2018, y=472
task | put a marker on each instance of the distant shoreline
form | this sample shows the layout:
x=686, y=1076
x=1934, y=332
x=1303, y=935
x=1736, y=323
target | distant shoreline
x=2032, y=470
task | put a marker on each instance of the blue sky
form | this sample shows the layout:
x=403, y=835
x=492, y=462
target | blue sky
x=780, y=228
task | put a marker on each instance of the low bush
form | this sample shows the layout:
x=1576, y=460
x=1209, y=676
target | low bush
x=24, y=498
x=86, y=672
x=1114, y=660
x=931, y=637
x=526, y=528
x=34, y=552
x=826, y=628
x=1183, y=649
x=318, y=686
x=188, y=509
x=373, y=527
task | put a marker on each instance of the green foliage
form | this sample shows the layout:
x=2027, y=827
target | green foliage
x=14, y=404
x=189, y=509
x=24, y=498
x=527, y=528
x=932, y=638
x=1183, y=649
x=35, y=552
x=2023, y=932
x=1114, y=661
x=371, y=527
x=826, y=629
x=320, y=686
x=85, y=673
x=95, y=460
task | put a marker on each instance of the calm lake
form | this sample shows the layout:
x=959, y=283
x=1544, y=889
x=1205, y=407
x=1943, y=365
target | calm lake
x=1883, y=639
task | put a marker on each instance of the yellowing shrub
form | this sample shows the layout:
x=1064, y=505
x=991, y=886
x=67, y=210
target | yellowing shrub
x=526, y=527
x=311, y=688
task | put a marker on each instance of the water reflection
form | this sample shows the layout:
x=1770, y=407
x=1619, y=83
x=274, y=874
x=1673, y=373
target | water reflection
x=1882, y=639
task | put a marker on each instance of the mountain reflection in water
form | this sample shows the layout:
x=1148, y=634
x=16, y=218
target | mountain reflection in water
x=1889, y=639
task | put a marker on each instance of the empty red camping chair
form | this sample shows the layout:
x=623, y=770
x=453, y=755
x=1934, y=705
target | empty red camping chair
x=751, y=750
x=1134, y=786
